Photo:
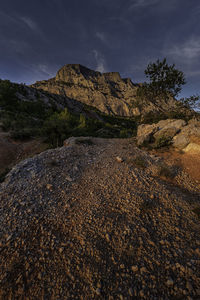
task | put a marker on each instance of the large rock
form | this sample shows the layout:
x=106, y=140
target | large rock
x=145, y=133
x=176, y=132
x=192, y=148
x=180, y=141
x=187, y=135
x=178, y=124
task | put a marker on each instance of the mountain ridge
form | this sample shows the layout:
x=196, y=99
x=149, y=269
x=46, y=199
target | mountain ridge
x=107, y=92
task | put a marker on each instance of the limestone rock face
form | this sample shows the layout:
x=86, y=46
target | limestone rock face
x=107, y=92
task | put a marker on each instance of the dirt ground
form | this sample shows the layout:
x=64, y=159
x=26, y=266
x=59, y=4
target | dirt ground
x=190, y=163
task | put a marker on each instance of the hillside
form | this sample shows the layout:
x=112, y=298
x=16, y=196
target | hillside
x=96, y=219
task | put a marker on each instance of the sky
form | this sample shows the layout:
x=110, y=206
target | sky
x=39, y=37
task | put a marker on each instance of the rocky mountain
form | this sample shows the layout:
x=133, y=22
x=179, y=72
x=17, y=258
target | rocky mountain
x=108, y=92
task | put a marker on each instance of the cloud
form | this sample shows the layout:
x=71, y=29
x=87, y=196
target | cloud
x=30, y=23
x=100, y=60
x=189, y=50
x=142, y=3
x=44, y=69
x=101, y=36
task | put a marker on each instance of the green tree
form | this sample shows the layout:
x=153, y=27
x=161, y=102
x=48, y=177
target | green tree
x=191, y=102
x=164, y=80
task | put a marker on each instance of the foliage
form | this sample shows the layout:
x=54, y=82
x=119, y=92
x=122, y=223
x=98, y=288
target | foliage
x=165, y=80
x=191, y=102
x=26, y=118
x=165, y=171
x=162, y=141
x=140, y=162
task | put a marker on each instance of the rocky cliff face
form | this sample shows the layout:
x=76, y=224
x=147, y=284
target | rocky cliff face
x=108, y=92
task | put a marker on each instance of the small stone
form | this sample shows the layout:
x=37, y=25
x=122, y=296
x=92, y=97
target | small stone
x=98, y=291
x=119, y=159
x=189, y=286
x=162, y=242
x=134, y=268
x=169, y=282
x=68, y=178
x=107, y=237
x=130, y=291
x=198, y=292
x=197, y=251
x=8, y=238
x=143, y=270
x=141, y=293
x=49, y=187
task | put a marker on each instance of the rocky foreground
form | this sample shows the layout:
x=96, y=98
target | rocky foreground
x=99, y=219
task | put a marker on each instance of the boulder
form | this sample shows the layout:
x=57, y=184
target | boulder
x=180, y=141
x=191, y=130
x=145, y=133
x=176, y=132
x=178, y=124
x=192, y=148
x=187, y=135
x=166, y=132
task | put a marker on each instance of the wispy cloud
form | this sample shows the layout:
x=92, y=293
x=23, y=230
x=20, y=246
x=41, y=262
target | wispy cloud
x=100, y=60
x=29, y=23
x=189, y=50
x=142, y=3
x=101, y=36
x=44, y=69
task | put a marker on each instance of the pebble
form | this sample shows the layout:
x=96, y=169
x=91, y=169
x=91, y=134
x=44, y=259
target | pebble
x=98, y=291
x=49, y=186
x=130, y=291
x=107, y=237
x=119, y=159
x=169, y=282
x=134, y=268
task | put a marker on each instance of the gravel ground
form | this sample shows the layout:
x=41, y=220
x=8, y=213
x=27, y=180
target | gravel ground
x=95, y=221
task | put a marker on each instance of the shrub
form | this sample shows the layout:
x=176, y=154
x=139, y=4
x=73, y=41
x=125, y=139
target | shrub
x=165, y=80
x=162, y=141
x=166, y=172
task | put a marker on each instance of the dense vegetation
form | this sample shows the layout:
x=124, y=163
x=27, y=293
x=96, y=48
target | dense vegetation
x=25, y=119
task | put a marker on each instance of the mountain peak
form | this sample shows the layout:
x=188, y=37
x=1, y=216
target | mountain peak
x=71, y=70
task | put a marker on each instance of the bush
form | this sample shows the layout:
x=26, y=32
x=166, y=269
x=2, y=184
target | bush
x=162, y=141
x=164, y=79
x=140, y=162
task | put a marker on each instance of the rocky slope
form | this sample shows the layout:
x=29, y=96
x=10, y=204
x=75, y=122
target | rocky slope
x=108, y=92
x=94, y=220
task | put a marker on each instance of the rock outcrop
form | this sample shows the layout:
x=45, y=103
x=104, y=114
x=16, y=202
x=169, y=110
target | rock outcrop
x=108, y=92
x=181, y=135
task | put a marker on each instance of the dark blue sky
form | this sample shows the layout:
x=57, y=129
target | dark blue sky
x=38, y=37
